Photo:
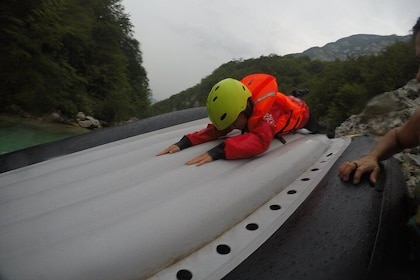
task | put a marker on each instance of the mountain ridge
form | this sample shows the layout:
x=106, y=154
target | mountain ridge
x=353, y=45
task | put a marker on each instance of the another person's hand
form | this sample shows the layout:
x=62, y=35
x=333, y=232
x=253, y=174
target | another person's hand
x=364, y=165
x=200, y=160
x=170, y=150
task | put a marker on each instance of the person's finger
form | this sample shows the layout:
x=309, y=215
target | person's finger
x=367, y=167
x=170, y=150
x=364, y=168
x=200, y=160
x=165, y=151
x=174, y=149
x=192, y=161
x=204, y=160
x=346, y=169
x=374, y=175
x=357, y=175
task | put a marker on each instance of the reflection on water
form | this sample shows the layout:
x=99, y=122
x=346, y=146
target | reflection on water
x=18, y=133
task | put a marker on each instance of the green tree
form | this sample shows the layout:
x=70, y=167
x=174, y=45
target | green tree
x=30, y=45
x=390, y=69
x=71, y=55
x=349, y=100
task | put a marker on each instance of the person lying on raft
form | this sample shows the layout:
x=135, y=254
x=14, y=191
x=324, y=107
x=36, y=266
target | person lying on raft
x=256, y=107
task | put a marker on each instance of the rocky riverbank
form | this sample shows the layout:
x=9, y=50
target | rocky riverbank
x=384, y=112
x=80, y=120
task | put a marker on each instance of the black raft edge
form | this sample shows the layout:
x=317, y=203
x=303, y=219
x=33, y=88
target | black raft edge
x=341, y=231
x=39, y=153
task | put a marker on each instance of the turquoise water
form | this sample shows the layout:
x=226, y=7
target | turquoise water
x=18, y=133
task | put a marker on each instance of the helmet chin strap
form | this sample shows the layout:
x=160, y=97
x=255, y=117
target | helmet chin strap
x=249, y=107
x=247, y=113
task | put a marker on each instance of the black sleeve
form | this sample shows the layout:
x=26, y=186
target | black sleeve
x=218, y=152
x=184, y=143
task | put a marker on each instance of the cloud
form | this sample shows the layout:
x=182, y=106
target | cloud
x=183, y=41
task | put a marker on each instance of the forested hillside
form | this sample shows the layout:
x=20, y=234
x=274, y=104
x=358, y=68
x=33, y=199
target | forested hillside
x=337, y=88
x=70, y=56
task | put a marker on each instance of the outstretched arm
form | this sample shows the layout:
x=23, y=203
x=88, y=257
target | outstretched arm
x=396, y=140
x=207, y=134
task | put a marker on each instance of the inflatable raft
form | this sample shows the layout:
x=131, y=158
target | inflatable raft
x=103, y=206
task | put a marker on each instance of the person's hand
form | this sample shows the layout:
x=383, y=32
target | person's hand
x=364, y=165
x=170, y=150
x=200, y=160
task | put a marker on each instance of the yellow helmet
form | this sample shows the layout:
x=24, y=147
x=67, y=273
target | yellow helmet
x=226, y=100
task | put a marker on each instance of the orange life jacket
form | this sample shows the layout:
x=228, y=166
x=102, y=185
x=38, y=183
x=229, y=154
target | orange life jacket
x=265, y=93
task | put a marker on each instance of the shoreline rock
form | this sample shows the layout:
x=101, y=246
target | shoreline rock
x=88, y=122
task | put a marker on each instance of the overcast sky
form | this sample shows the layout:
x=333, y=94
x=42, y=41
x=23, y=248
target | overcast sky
x=183, y=41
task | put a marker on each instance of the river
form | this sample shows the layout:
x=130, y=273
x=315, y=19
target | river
x=18, y=133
